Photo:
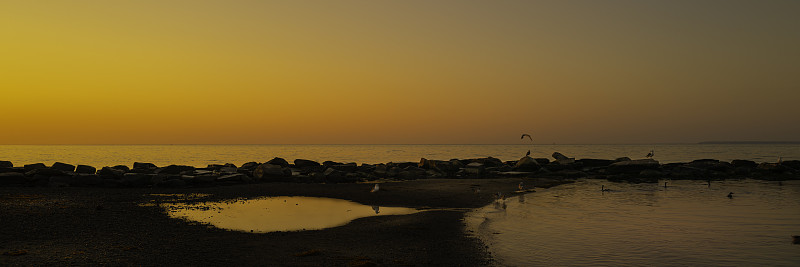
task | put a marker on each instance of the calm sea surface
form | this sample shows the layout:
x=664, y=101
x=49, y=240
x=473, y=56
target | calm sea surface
x=686, y=224
x=202, y=155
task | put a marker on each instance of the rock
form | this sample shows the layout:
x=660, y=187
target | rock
x=334, y=175
x=794, y=164
x=622, y=159
x=12, y=178
x=249, y=166
x=85, y=169
x=111, y=173
x=527, y=164
x=737, y=163
x=234, y=177
x=488, y=162
x=650, y=173
x=542, y=161
x=632, y=166
x=304, y=163
x=412, y=173
x=173, y=183
x=427, y=164
x=595, y=163
x=46, y=172
x=229, y=170
x=475, y=170
x=268, y=172
x=279, y=161
x=205, y=178
x=142, y=165
x=6, y=164
x=711, y=164
x=563, y=160
x=175, y=169
x=122, y=168
x=87, y=180
x=60, y=181
x=30, y=167
x=349, y=167
x=137, y=179
x=63, y=167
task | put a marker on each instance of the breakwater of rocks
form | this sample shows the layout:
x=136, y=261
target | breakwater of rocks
x=308, y=171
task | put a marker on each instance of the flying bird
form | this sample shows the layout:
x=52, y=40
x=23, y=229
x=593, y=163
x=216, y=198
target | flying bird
x=650, y=155
x=375, y=189
x=528, y=135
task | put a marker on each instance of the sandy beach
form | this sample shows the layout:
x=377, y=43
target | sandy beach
x=92, y=226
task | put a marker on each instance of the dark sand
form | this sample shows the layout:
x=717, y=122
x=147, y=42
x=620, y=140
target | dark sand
x=93, y=226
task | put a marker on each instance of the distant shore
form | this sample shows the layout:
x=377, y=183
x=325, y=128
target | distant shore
x=750, y=143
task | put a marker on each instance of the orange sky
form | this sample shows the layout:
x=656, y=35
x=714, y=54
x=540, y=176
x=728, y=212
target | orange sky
x=398, y=72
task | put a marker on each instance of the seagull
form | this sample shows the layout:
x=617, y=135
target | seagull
x=375, y=189
x=521, y=186
x=528, y=154
x=650, y=155
x=528, y=135
x=730, y=195
x=604, y=189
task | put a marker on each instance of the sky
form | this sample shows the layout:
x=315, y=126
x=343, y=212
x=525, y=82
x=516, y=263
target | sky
x=398, y=72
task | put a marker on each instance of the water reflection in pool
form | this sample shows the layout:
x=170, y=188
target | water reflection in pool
x=272, y=214
x=686, y=224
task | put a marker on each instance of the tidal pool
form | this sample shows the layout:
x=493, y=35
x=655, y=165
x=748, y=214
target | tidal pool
x=272, y=214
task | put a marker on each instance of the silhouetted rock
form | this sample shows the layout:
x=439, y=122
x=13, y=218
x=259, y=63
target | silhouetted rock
x=304, y=163
x=63, y=167
x=12, y=178
x=279, y=161
x=475, y=170
x=6, y=164
x=333, y=175
x=527, y=164
x=87, y=180
x=711, y=164
x=175, y=169
x=30, y=167
x=249, y=166
x=235, y=177
x=488, y=162
x=270, y=172
x=632, y=166
x=46, y=172
x=563, y=160
x=172, y=183
x=122, y=168
x=347, y=167
x=137, y=179
x=60, y=181
x=111, y=173
x=622, y=159
x=412, y=173
x=595, y=163
x=85, y=169
x=144, y=165
x=794, y=164
x=743, y=163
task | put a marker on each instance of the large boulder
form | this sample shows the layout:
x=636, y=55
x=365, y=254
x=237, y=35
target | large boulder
x=270, y=172
x=12, y=178
x=30, y=167
x=144, y=165
x=632, y=166
x=175, y=169
x=279, y=161
x=527, y=164
x=475, y=170
x=137, y=179
x=85, y=169
x=304, y=163
x=711, y=164
x=561, y=159
x=63, y=167
x=595, y=163
x=6, y=164
x=111, y=173
x=87, y=180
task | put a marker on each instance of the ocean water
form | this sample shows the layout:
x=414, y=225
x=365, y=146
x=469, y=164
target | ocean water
x=686, y=224
x=202, y=155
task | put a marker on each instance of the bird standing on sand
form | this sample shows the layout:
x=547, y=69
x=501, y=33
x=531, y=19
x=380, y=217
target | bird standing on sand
x=730, y=195
x=521, y=186
x=604, y=189
x=650, y=155
x=375, y=188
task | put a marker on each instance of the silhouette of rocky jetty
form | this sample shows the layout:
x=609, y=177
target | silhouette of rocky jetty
x=308, y=171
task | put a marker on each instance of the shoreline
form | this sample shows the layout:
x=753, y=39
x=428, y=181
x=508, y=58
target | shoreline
x=76, y=225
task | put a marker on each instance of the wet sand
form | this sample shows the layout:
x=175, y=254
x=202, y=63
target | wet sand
x=92, y=226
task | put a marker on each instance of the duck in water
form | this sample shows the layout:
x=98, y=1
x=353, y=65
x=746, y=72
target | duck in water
x=730, y=195
x=604, y=189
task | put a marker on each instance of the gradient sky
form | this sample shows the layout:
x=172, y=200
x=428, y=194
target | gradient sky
x=398, y=72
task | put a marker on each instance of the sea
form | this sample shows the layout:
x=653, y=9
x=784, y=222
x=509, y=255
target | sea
x=202, y=155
